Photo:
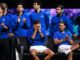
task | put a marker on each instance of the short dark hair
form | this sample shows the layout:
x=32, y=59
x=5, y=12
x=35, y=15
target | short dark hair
x=62, y=23
x=4, y=5
x=36, y=22
x=60, y=6
x=19, y=4
x=37, y=1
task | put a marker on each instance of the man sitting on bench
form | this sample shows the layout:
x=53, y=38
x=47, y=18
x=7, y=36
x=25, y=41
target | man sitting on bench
x=63, y=39
x=37, y=38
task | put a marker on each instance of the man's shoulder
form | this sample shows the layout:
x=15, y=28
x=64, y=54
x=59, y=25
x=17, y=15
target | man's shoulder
x=33, y=12
x=69, y=33
x=25, y=15
x=30, y=30
x=57, y=32
x=8, y=15
x=43, y=12
x=43, y=30
x=54, y=17
x=64, y=16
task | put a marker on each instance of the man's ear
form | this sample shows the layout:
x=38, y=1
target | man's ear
x=65, y=26
x=23, y=9
x=40, y=6
x=2, y=11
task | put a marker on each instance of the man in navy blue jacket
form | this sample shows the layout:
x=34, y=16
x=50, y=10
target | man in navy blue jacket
x=37, y=37
x=58, y=18
x=39, y=15
x=20, y=23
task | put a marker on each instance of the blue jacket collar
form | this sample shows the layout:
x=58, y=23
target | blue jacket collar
x=36, y=11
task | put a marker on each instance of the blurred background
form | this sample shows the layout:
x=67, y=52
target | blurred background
x=45, y=3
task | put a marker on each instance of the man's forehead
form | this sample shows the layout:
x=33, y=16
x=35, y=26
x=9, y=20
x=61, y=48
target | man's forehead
x=37, y=24
x=20, y=5
x=58, y=8
x=61, y=24
x=34, y=3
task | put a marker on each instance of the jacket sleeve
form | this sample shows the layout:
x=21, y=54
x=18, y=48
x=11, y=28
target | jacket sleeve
x=70, y=25
x=47, y=21
x=28, y=23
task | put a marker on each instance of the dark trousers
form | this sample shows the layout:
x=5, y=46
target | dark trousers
x=12, y=54
x=4, y=49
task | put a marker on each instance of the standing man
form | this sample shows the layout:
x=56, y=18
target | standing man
x=4, y=30
x=63, y=40
x=8, y=16
x=37, y=38
x=20, y=23
x=57, y=19
x=39, y=15
x=10, y=40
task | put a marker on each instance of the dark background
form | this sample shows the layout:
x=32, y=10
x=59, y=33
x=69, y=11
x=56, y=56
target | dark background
x=45, y=3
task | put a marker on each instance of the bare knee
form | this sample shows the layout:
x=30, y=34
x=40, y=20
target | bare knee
x=76, y=45
x=49, y=52
x=33, y=52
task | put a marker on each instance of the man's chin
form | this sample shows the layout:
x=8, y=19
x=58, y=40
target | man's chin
x=61, y=30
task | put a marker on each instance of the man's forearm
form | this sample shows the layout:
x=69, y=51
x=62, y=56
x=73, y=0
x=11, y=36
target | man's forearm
x=74, y=46
x=5, y=27
x=41, y=34
x=58, y=41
